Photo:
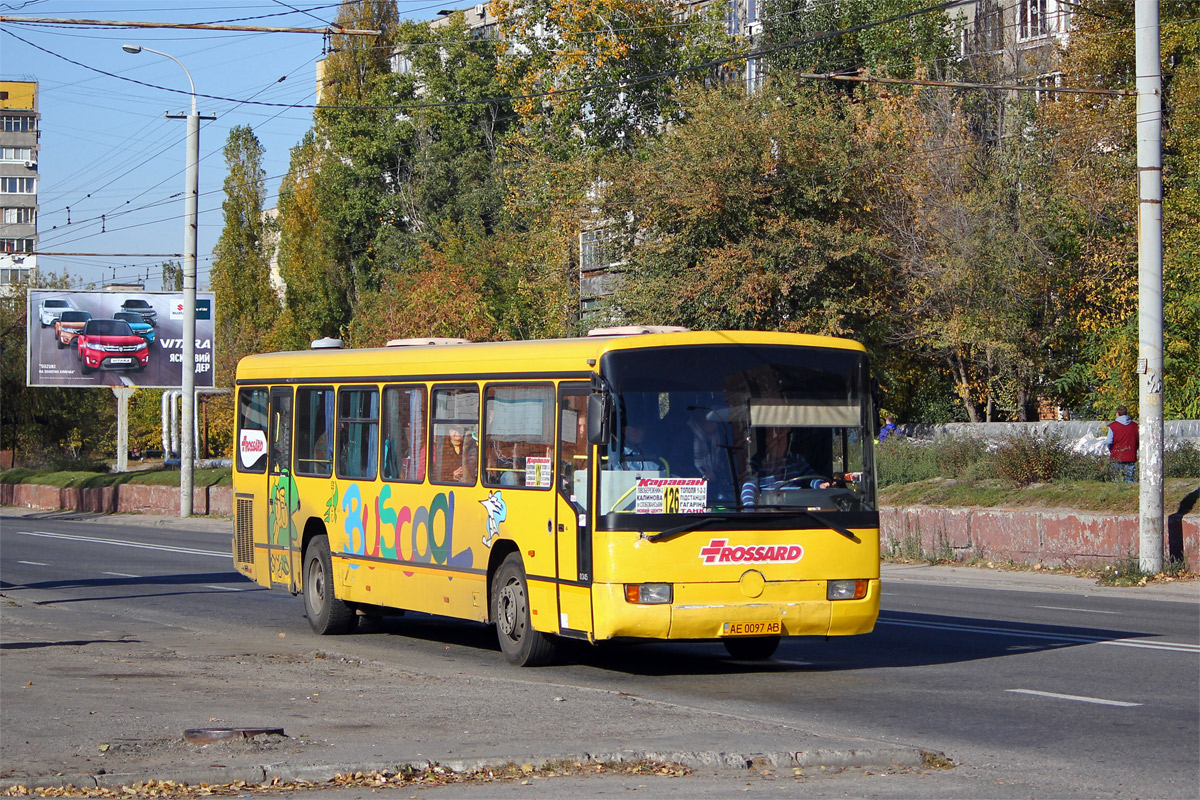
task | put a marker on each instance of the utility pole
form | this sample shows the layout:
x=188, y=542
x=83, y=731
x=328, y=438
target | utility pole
x=1150, y=282
x=191, y=225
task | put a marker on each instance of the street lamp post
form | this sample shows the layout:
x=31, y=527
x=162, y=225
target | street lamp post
x=190, y=228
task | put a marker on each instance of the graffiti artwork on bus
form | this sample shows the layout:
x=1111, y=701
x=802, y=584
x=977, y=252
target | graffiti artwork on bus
x=284, y=502
x=375, y=528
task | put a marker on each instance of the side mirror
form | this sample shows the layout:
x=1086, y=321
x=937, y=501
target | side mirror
x=597, y=420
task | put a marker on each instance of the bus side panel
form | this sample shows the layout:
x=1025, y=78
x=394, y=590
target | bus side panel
x=426, y=548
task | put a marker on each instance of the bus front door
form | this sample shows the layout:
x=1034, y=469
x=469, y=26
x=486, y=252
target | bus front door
x=574, y=539
x=282, y=497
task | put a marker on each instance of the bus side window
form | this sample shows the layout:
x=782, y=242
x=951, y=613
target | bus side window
x=314, y=431
x=519, y=436
x=455, y=447
x=403, y=447
x=358, y=427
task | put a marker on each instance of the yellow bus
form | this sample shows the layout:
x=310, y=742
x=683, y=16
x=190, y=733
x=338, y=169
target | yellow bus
x=668, y=485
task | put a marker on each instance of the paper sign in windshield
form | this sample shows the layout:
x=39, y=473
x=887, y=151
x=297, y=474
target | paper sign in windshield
x=537, y=472
x=671, y=496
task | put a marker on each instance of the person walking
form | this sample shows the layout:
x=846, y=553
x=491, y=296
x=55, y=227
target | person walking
x=889, y=428
x=1122, y=443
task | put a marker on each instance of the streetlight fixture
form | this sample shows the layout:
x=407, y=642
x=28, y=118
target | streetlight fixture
x=190, y=228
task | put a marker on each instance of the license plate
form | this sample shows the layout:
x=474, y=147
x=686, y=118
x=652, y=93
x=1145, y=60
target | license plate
x=752, y=628
x=120, y=361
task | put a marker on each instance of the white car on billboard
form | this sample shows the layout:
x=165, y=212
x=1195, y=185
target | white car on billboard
x=52, y=308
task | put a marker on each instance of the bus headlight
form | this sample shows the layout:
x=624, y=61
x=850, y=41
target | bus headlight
x=648, y=594
x=846, y=590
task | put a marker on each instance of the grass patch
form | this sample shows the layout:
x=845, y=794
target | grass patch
x=78, y=479
x=1096, y=496
x=1128, y=572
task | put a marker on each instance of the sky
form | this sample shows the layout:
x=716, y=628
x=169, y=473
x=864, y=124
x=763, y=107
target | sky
x=111, y=165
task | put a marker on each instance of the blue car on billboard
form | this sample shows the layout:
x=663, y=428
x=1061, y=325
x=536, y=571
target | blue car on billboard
x=138, y=323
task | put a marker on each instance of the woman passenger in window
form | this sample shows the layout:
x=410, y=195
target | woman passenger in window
x=460, y=456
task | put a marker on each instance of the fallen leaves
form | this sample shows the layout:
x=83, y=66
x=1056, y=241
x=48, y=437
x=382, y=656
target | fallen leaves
x=432, y=775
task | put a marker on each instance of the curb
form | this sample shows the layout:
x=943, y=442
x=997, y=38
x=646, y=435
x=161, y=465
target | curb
x=881, y=757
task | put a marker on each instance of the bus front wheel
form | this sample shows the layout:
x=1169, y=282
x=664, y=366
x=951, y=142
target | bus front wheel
x=326, y=613
x=519, y=642
x=751, y=648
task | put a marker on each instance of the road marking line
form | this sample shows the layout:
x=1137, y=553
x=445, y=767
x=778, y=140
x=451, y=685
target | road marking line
x=120, y=574
x=1084, y=610
x=33, y=563
x=1096, y=700
x=1061, y=638
x=123, y=543
x=224, y=588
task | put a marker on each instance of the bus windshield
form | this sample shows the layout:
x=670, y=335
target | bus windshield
x=734, y=431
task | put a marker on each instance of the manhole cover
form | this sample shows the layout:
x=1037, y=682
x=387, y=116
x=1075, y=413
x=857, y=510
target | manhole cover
x=210, y=735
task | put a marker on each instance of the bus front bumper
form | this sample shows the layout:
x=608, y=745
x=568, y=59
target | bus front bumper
x=709, y=610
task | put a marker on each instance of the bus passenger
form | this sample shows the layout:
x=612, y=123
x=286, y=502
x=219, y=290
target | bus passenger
x=460, y=456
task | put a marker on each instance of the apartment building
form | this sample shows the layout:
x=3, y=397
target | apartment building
x=19, y=131
x=1020, y=37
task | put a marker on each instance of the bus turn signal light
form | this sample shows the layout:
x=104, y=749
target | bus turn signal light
x=846, y=590
x=648, y=594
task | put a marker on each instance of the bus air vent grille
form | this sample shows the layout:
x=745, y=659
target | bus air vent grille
x=243, y=540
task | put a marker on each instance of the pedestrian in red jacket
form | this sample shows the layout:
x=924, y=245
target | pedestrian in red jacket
x=1122, y=443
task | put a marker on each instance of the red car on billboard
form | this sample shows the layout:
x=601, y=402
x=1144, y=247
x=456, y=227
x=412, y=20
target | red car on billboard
x=111, y=344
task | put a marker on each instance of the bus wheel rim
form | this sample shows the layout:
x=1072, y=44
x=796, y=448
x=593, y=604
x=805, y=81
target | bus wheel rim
x=510, y=601
x=317, y=579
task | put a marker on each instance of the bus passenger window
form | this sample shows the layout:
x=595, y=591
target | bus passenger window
x=519, y=436
x=358, y=426
x=455, y=436
x=314, y=431
x=403, y=445
x=252, y=430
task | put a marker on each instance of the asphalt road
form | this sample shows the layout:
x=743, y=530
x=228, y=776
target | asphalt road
x=1041, y=685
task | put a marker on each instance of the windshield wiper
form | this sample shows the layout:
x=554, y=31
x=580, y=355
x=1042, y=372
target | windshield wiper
x=696, y=524
x=849, y=534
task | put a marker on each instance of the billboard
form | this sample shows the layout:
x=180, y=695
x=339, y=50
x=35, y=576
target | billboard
x=134, y=339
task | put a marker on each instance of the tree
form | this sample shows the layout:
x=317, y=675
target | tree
x=599, y=75
x=743, y=216
x=977, y=252
x=172, y=276
x=846, y=36
x=246, y=305
x=1094, y=143
x=316, y=303
x=45, y=426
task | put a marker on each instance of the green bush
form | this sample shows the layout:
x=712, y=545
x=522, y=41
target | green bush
x=1085, y=467
x=1024, y=459
x=900, y=460
x=69, y=464
x=1182, y=461
x=961, y=457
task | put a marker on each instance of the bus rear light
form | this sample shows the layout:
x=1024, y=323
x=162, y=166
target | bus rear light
x=846, y=590
x=649, y=594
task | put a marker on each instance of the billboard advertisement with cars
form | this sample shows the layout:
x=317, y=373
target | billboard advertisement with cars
x=114, y=338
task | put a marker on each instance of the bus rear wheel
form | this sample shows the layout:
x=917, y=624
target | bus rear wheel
x=751, y=648
x=326, y=614
x=519, y=642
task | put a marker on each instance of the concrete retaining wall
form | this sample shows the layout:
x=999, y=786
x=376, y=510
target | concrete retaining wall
x=1051, y=537
x=122, y=499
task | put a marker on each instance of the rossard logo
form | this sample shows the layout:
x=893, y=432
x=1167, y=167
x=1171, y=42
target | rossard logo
x=251, y=446
x=718, y=551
